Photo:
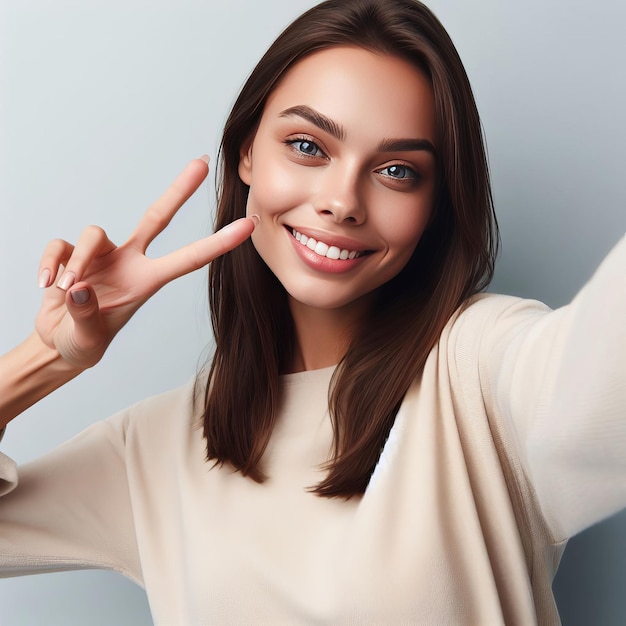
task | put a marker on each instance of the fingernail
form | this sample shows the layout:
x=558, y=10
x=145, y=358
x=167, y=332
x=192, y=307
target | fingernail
x=205, y=158
x=66, y=281
x=80, y=296
x=44, y=278
x=255, y=218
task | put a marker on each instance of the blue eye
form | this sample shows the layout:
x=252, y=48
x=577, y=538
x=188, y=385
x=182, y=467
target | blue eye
x=399, y=172
x=307, y=147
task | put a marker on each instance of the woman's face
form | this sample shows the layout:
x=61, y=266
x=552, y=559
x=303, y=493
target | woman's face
x=342, y=173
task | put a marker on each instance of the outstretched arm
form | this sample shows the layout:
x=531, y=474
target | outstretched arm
x=557, y=381
x=94, y=287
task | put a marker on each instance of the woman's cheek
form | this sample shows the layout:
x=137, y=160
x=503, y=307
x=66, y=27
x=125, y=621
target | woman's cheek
x=275, y=190
x=404, y=229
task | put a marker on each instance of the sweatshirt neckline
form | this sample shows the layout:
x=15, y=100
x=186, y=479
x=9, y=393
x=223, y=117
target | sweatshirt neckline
x=308, y=376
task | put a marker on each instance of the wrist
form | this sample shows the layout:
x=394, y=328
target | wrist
x=28, y=373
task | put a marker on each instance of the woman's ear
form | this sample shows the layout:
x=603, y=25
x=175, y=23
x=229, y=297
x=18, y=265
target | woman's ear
x=245, y=163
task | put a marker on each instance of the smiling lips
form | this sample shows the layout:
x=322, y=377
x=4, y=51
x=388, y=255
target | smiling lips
x=324, y=250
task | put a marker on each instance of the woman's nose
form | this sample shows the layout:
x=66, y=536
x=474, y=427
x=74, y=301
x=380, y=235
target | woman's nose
x=339, y=197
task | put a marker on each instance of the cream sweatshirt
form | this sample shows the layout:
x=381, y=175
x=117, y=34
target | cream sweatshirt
x=512, y=440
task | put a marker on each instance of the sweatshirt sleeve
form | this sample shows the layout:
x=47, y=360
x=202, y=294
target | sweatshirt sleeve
x=558, y=383
x=71, y=508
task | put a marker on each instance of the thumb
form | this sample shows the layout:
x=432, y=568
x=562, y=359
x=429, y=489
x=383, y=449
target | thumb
x=82, y=304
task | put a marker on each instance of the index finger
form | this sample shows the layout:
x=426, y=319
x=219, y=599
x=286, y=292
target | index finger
x=200, y=253
x=161, y=212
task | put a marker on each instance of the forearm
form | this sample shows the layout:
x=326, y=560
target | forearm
x=559, y=380
x=28, y=373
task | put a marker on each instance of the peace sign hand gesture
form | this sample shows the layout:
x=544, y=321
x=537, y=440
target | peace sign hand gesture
x=102, y=285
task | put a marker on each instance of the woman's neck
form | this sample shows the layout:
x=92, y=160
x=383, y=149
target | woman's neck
x=323, y=335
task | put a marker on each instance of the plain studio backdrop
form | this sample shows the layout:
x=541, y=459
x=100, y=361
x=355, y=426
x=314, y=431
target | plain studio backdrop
x=104, y=102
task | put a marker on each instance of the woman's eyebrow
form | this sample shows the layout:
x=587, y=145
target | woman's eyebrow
x=405, y=145
x=336, y=130
x=318, y=119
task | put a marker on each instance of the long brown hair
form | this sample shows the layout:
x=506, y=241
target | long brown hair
x=454, y=259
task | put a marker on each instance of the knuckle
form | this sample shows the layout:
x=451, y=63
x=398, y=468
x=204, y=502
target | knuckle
x=88, y=243
x=56, y=251
x=95, y=230
x=94, y=233
x=194, y=256
x=57, y=246
x=157, y=218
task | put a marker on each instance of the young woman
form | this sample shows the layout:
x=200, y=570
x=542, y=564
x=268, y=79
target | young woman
x=373, y=442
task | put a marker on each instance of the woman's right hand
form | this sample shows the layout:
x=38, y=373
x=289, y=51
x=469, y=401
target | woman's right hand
x=94, y=287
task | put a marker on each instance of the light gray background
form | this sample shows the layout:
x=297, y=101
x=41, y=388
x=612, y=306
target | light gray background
x=104, y=101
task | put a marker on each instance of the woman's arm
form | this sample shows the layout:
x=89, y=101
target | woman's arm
x=28, y=373
x=556, y=380
x=93, y=288
x=71, y=508
x=576, y=443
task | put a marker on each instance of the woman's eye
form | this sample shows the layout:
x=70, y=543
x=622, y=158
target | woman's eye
x=400, y=172
x=306, y=146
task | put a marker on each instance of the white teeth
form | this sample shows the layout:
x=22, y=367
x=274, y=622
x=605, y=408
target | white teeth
x=323, y=249
x=333, y=252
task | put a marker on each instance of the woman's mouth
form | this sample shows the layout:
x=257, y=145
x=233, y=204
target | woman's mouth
x=325, y=250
